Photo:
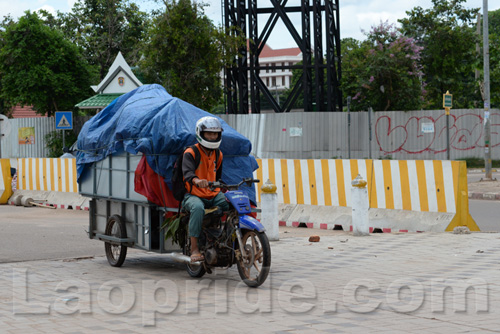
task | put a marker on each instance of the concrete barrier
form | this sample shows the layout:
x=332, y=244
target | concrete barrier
x=47, y=174
x=5, y=181
x=404, y=195
x=55, y=199
x=51, y=182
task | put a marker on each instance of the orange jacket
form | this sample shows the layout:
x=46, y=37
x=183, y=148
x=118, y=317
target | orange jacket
x=205, y=170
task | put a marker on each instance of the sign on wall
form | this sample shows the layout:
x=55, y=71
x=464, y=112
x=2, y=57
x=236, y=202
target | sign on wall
x=427, y=127
x=295, y=132
x=26, y=136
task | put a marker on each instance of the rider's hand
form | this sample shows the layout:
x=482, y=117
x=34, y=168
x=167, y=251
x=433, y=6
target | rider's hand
x=200, y=183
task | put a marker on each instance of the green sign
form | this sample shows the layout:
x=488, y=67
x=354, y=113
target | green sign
x=447, y=100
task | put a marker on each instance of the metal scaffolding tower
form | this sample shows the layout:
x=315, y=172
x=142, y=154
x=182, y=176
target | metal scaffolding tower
x=243, y=78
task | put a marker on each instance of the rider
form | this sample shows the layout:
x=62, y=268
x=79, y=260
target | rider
x=199, y=196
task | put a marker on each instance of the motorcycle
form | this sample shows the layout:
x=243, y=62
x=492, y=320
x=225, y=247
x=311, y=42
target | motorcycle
x=238, y=239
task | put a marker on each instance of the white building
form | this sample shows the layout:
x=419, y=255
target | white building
x=276, y=79
x=119, y=80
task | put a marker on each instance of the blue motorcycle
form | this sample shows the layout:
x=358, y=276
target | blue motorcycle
x=238, y=239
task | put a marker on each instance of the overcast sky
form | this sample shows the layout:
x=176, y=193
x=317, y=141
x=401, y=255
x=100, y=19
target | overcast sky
x=355, y=15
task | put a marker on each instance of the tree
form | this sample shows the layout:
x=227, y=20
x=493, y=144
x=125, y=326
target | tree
x=5, y=105
x=494, y=32
x=104, y=27
x=383, y=72
x=294, y=81
x=54, y=142
x=186, y=53
x=447, y=34
x=39, y=67
x=353, y=54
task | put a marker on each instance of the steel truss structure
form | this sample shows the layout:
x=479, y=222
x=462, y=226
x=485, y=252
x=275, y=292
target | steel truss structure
x=243, y=80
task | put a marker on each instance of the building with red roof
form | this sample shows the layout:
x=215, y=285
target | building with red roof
x=24, y=112
x=278, y=79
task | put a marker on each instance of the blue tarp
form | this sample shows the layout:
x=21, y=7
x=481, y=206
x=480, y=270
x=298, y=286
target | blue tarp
x=149, y=120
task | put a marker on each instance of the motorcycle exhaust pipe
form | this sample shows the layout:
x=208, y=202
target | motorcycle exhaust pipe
x=181, y=258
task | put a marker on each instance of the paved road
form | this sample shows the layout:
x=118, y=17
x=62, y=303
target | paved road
x=382, y=283
x=28, y=234
x=486, y=214
x=37, y=234
x=478, y=175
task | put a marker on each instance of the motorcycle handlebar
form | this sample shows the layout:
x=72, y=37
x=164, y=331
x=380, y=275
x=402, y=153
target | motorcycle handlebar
x=222, y=185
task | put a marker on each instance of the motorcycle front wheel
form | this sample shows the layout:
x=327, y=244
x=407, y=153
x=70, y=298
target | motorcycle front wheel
x=255, y=265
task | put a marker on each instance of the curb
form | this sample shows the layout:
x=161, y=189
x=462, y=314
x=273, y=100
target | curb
x=59, y=206
x=479, y=170
x=485, y=196
x=334, y=227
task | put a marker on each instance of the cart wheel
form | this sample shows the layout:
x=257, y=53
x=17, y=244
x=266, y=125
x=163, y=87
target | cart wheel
x=115, y=253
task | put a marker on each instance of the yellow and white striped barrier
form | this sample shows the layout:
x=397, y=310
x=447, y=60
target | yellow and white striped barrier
x=5, y=181
x=52, y=182
x=411, y=185
x=47, y=174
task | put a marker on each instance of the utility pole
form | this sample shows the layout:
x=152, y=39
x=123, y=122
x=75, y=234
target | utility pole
x=1, y=135
x=349, y=126
x=486, y=68
x=370, y=113
x=447, y=104
x=477, y=73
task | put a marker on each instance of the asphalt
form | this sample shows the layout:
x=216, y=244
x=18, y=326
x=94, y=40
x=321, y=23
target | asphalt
x=484, y=188
x=381, y=283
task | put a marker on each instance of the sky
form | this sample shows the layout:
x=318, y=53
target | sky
x=356, y=16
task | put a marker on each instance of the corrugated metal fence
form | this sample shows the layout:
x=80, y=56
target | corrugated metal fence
x=414, y=135
x=11, y=146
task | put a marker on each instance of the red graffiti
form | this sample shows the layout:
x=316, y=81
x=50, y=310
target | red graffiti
x=466, y=133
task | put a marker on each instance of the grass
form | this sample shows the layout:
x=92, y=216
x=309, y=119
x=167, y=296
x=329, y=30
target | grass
x=479, y=163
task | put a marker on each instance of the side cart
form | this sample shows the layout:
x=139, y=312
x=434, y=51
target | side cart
x=118, y=215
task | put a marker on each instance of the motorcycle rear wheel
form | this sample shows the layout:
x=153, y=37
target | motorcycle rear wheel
x=255, y=266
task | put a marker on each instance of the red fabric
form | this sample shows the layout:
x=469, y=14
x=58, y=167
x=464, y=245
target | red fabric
x=153, y=186
x=252, y=214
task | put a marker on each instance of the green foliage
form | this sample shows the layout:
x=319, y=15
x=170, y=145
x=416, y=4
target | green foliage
x=39, y=67
x=186, y=52
x=353, y=55
x=5, y=104
x=447, y=34
x=494, y=34
x=175, y=229
x=54, y=142
x=102, y=28
x=219, y=109
x=297, y=74
x=280, y=98
x=383, y=72
x=479, y=163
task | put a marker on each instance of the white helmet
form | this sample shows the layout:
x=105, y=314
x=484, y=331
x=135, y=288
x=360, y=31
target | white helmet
x=208, y=124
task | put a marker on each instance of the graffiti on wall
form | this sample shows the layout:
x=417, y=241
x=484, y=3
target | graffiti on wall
x=466, y=133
